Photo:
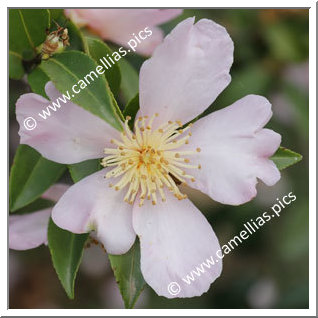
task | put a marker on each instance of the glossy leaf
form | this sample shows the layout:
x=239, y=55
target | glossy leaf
x=27, y=29
x=131, y=109
x=16, y=70
x=69, y=68
x=83, y=169
x=129, y=82
x=63, y=243
x=284, y=158
x=99, y=50
x=128, y=275
x=37, y=205
x=31, y=175
x=56, y=13
x=66, y=250
x=37, y=80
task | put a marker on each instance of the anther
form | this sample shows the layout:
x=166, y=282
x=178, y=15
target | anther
x=147, y=161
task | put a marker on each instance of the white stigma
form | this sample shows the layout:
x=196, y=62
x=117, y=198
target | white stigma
x=148, y=160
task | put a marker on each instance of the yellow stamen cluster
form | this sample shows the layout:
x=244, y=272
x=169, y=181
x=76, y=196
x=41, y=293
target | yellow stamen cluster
x=147, y=160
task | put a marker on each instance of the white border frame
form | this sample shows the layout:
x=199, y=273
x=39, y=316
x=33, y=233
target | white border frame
x=312, y=164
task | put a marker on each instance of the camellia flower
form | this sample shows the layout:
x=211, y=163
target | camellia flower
x=137, y=192
x=122, y=25
x=29, y=230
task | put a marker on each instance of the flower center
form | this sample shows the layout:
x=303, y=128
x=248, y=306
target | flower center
x=147, y=160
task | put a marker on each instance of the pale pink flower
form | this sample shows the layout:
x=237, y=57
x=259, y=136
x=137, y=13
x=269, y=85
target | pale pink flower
x=29, y=230
x=223, y=156
x=122, y=25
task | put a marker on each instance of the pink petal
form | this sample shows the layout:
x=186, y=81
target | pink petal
x=121, y=25
x=91, y=204
x=175, y=238
x=69, y=135
x=28, y=230
x=55, y=192
x=235, y=151
x=187, y=71
x=148, y=46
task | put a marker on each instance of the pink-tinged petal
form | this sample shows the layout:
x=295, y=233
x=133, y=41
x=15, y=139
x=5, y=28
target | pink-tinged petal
x=55, y=192
x=91, y=204
x=70, y=135
x=122, y=25
x=76, y=16
x=28, y=231
x=175, y=239
x=234, y=151
x=148, y=46
x=187, y=71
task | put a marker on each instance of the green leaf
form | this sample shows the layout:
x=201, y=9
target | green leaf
x=131, y=109
x=37, y=80
x=27, y=29
x=116, y=106
x=83, y=169
x=37, y=205
x=97, y=50
x=129, y=82
x=31, y=175
x=67, y=69
x=78, y=171
x=128, y=275
x=56, y=13
x=284, y=158
x=66, y=250
x=16, y=70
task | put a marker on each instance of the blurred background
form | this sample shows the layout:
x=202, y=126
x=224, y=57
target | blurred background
x=270, y=269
